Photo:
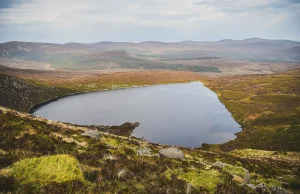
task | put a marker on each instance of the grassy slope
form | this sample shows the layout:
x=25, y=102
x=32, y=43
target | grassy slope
x=248, y=98
x=266, y=106
x=117, y=168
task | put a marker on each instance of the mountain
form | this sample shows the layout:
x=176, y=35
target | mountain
x=148, y=54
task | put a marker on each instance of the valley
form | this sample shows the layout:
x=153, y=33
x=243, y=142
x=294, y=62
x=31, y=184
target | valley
x=267, y=146
x=258, y=86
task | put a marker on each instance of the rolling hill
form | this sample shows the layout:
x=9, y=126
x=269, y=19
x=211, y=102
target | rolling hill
x=150, y=54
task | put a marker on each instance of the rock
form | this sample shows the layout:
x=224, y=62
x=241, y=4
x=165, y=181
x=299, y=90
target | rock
x=109, y=157
x=251, y=186
x=172, y=152
x=109, y=146
x=94, y=134
x=277, y=190
x=146, y=152
x=143, y=152
x=121, y=173
x=130, y=125
x=155, y=155
x=261, y=188
x=247, y=176
x=219, y=164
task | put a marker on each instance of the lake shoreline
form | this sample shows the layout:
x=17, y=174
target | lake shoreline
x=160, y=109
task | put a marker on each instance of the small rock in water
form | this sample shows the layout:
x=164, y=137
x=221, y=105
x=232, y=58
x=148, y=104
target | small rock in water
x=172, y=152
x=94, y=134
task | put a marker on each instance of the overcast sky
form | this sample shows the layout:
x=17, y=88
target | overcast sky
x=141, y=20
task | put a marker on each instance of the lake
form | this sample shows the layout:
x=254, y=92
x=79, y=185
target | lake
x=186, y=114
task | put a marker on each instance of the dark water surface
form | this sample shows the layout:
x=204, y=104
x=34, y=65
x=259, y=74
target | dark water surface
x=178, y=114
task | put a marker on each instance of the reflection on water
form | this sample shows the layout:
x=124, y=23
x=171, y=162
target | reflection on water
x=178, y=114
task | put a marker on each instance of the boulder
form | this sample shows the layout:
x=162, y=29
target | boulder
x=93, y=134
x=143, y=152
x=251, y=186
x=247, y=176
x=171, y=152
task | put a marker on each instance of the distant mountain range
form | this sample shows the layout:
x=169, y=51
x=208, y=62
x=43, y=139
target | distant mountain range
x=149, y=54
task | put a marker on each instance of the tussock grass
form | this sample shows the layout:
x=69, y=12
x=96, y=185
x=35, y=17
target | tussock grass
x=206, y=179
x=42, y=171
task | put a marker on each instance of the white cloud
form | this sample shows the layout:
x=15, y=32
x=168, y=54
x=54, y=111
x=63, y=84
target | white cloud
x=213, y=19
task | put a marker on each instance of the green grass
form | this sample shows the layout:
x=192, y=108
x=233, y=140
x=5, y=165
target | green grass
x=206, y=179
x=239, y=171
x=39, y=172
x=31, y=148
x=266, y=107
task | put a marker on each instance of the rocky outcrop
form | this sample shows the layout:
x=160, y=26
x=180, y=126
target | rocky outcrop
x=146, y=152
x=171, y=152
x=93, y=134
x=143, y=152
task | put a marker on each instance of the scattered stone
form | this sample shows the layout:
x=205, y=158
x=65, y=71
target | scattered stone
x=251, y=186
x=109, y=146
x=219, y=164
x=171, y=152
x=189, y=188
x=277, y=190
x=155, y=155
x=247, y=176
x=143, y=152
x=261, y=188
x=94, y=134
x=109, y=157
x=121, y=173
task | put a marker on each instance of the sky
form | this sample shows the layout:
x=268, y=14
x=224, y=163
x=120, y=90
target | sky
x=87, y=21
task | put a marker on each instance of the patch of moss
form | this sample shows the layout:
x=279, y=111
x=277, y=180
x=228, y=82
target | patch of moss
x=239, y=171
x=37, y=173
x=207, y=179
